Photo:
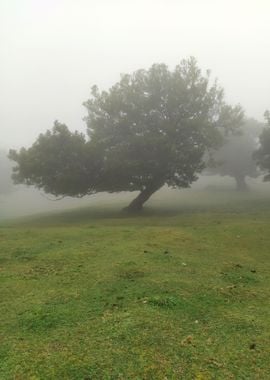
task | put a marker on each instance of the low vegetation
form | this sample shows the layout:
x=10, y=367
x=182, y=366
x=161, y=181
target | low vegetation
x=175, y=293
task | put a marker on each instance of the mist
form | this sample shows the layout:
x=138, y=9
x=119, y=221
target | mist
x=209, y=192
x=53, y=52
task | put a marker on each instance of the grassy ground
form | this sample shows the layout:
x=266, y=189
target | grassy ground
x=180, y=292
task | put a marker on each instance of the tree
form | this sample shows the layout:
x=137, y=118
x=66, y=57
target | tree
x=262, y=154
x=5, y=173
x=151, y=128
x=59, y=162
x=235, y=157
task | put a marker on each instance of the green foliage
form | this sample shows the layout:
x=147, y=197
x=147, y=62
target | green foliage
x=262, y=155
x=151, y=128
x=156, y=125
x=59, y=162
x=5, y=174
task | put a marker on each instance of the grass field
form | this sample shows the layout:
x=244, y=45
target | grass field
x=180, y=292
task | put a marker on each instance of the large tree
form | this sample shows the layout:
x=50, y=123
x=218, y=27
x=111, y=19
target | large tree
x=5, y=173
x=151, y=128
x=262, y=155
x=235, y=157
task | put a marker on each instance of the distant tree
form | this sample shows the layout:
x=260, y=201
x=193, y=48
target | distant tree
x=262, y=154
x=151, y=128
x=5, y=173
x=235, y=157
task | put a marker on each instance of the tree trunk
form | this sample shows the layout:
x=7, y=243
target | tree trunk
x=137, y=203
x=241, y=184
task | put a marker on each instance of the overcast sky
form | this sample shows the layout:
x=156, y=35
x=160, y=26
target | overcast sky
x=53, y=51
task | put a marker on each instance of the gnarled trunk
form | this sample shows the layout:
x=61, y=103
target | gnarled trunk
x=241, y=183
x=138, y=202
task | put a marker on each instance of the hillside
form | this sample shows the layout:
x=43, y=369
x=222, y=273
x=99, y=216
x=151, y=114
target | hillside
x=179, y=292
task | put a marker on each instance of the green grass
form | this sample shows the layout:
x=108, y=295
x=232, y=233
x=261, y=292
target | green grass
x=175, y=293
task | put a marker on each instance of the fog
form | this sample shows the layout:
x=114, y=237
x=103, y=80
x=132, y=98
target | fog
x=208, y=193
x=53, y=51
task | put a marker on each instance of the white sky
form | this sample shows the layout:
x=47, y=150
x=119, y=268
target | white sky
x=53, y=51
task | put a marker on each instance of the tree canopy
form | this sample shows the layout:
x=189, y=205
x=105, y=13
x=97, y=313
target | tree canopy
x=5, y=173
x=262, y=155
x=151, y=128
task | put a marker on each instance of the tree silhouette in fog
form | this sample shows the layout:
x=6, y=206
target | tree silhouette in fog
x=262, y=155
x=151, y=128
x=235, y=157
x=5, y=173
